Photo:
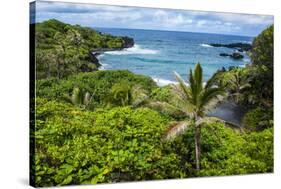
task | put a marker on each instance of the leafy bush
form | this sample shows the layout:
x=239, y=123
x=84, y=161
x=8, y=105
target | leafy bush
x=258, y=119
x=98, y=83
x=225, y=151
x=163, y=101
x=80, y=147
x=162, y=94
x=259, y=146
x=262, y=52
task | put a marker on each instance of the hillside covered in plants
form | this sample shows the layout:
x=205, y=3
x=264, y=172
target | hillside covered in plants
x=63, y=49
x=106, y=126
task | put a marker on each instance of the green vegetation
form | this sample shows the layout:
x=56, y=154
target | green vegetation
x=195, y=100
x=80, y=147
x=99, y=84
x=113, y=126
x=80, y=98
x=258, y=119
x=225, y=151
x=64, y=49
x=253, y=85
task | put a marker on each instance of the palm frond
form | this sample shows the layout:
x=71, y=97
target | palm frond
x=87, y=99
x=212, y=81
x=164, y=107
x=183, y=87
x=245, y=86
x=192, y=87
x=76, y=97
x=176, y=129
x=179, y=93
x=198, y=78
x=209, y=96
x=206, y=120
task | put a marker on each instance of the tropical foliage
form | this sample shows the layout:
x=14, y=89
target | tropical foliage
x=64, y=49
x=113, y=126
x=195, y=100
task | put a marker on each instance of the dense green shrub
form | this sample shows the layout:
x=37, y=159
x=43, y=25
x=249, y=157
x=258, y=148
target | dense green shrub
x=98, y=83
x=262, y=52
x=261, y=79
x=163, y=94
x=163, y=100
x=258, y=119
x=74, y=146
x=79, y=147
x=259, y=146
x=226, y=151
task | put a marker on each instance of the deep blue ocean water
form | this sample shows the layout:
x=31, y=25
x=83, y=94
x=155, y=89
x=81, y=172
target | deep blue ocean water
x=159, y=53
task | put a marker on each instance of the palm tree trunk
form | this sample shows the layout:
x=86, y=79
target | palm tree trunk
x=197, y=146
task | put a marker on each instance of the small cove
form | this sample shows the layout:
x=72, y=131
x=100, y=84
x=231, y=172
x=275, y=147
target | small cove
x=229, y=112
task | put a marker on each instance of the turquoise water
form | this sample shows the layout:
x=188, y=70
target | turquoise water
x=159, y=53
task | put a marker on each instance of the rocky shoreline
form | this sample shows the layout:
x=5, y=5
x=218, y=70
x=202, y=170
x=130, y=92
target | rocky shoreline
x=240, y=47
x=94, y=53
x=234, y=55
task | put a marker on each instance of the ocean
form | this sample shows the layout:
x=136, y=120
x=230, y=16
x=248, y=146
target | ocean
x=159, y=53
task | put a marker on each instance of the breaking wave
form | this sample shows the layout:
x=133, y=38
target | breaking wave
x=205, y=45
x=136, y=49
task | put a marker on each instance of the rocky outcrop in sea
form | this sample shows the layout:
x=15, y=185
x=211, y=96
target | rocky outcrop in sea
x=239, y=47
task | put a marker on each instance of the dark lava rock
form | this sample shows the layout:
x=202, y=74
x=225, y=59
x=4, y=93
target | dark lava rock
x=238, y=46
x=129, y=42
x=224, y=54
x=93, y=58
x=236, y=56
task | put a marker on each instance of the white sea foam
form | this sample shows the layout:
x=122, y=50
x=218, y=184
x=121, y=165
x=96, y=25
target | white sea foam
x=163, y=82
x=136, y=49
x=100, y=55
x=246, y=60
x=205, y=45
x=242, y=66
x=249, y=42
x=104, y=66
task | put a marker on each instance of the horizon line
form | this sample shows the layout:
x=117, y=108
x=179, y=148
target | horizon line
x=167, y=30
x=237, y=35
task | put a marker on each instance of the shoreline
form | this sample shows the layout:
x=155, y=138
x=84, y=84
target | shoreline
x=96, y=53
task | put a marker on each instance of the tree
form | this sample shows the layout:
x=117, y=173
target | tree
x=195, y=100
x=262, y=52
x=46, y=62
x=262, y=61
x=238, y=82
x=79, y=98
x=121, y=94
x=124, y=94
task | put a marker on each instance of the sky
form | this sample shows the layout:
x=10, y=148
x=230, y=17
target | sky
x=106, y=16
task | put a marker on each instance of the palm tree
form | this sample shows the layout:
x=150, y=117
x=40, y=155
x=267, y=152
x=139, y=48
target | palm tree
x=195, y=100
x=237, y=84
x=79, y=98
x=124, y=94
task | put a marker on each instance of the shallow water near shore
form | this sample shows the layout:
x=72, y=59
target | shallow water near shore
x=158, y=53
x=229, y=112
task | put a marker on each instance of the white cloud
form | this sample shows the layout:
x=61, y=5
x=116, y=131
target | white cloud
x=201, y=23
x=146, y=18
x=171, y=19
